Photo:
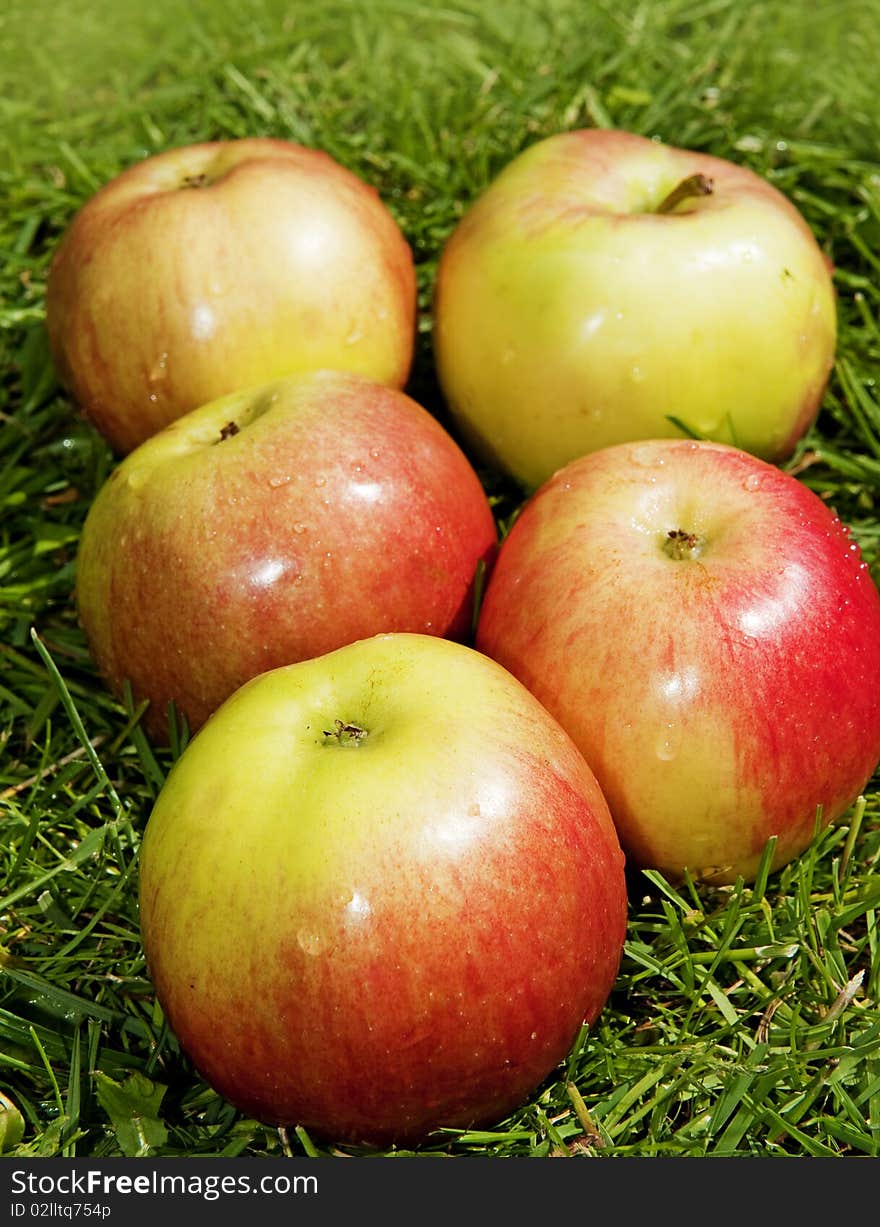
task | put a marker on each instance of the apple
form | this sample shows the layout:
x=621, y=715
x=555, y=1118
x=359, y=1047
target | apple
x=274, y=525
x=704, y=628
x=214, y=267
x=605, y=284
x=380, y=892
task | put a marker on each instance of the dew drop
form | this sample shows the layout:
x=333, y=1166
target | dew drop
x=276, y=482
x=159, y=370
x=752, y=482
x=299, y=528
x=320, y=481
x=668, y=743
x=310, y=943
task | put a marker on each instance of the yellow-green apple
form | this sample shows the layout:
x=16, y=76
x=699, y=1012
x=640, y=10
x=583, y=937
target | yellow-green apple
x=213, y=267
x=704, y=627
x=273, y=525
x=380, y=893
x=604, y=284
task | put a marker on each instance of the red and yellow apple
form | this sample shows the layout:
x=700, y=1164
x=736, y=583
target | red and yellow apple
x=704, y=628
x=273, y=525
x=380, y=892
x=214, y=267
x=605, y=284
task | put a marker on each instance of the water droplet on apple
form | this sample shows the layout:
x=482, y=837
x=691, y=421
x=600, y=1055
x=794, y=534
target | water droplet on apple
x=668, y=743
x=375, y=453
x=534, y=1035
x=310, y=943
x=299, y=528
x=279, y=480
x=354, y=336
x=752, y=482
x=637, y=375
x=159, y=369
x=320, y=481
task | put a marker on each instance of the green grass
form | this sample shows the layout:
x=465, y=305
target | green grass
x=745, y=1020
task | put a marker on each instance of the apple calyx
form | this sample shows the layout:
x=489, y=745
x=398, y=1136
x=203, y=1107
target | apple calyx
x=344, y=733
x=227, y=431
x=690, y=188
x=680, y=545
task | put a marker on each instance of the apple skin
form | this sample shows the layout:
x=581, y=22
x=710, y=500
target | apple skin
x=569, y=315
x=719, y=699
x=340, y=509
x=377, y=937
x=218, y=266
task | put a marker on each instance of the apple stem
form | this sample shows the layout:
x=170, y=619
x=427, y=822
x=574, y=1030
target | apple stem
x=345, y=734
x=680, y=545
x=688, y=189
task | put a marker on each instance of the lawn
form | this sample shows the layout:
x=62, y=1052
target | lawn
x=746, y=1019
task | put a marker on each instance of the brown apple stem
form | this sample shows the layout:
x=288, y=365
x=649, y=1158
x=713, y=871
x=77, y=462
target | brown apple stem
x=345, y=734
x=680, y=545
x=688, y=189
